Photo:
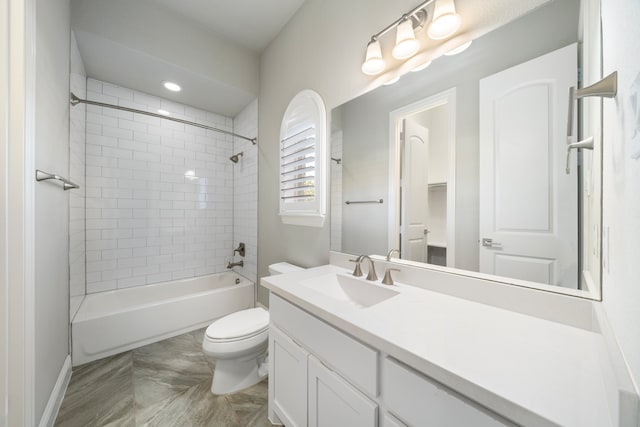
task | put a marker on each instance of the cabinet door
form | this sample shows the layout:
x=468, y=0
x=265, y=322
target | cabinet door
x=333, y=402
x=287, y=380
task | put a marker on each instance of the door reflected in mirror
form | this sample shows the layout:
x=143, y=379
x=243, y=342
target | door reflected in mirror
x=468, y=156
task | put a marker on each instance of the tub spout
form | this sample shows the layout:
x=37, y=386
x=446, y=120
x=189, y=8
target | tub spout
x=235, y=264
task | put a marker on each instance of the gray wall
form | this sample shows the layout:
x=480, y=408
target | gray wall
x=51, y=202
x=365, y=122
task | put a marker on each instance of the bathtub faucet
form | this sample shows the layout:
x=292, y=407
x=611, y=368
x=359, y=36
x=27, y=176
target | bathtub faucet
x=235, y=264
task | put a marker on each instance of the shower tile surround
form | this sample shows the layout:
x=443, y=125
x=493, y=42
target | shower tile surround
x=160, y=195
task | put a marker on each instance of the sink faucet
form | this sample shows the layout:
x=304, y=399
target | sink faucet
x=372, y=269
x=391, y=253
x=235, y=264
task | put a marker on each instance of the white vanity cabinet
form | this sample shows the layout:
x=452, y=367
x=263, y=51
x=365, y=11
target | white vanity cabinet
x=303, y=391
x=322, y=377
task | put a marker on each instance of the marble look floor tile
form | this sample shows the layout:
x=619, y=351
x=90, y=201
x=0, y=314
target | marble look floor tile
x=196, y=407
x=246, y=402
x=100, y=393
x=163, y=370
x=259, y=418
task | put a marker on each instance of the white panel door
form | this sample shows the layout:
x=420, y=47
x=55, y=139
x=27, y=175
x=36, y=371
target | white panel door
x=528, y=205
x=287, y=380
x=415, y=192
x=334, y=402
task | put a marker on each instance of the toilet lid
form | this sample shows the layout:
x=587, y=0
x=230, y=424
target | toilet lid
x=239, y=324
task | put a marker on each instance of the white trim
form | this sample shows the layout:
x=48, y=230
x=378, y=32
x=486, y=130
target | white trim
x=4, y=207
x=18, y=178
x=447, y=97
x=304, y=219
x=307, y=110
x=57, y=394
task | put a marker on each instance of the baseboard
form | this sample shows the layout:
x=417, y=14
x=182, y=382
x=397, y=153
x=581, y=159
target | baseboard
x=57, y=394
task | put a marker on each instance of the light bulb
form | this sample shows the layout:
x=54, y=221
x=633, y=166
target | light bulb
x=445, y=20
x=373, y=63
x=406, y=43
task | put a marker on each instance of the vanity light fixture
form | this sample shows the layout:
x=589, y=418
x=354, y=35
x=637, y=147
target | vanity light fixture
x=421, y=66
x=444, y=24
x=173, y=87
x=373, y=63
x=164, y=112
x=392, y=81
x=459, y=49
x=445, y=20
x=406, y=43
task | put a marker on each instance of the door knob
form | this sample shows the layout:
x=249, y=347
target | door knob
x=489, y=243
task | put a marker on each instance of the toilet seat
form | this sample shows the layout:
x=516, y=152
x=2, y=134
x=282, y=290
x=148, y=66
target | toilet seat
x=239, y=326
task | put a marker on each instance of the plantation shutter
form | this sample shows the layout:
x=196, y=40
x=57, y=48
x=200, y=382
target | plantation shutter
x=302, y=161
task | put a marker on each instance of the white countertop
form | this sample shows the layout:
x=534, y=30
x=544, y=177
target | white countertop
x=530, y=370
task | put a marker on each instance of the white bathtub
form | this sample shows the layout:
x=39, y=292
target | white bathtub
x=111, y=322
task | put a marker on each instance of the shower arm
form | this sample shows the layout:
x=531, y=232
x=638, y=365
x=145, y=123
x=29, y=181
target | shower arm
x=74, y=100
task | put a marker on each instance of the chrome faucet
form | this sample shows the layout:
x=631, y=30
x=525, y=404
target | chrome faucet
x=235, y=264
x=372, y=269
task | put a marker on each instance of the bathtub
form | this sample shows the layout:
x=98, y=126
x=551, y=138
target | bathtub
x=111, y=322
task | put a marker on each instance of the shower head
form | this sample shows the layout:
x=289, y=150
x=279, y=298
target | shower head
x=235, y=157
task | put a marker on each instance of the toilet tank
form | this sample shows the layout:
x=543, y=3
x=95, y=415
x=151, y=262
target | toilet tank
x=283, y=267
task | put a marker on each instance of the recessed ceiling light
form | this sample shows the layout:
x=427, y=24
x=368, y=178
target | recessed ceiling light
x=174, y=87
x=164, y=112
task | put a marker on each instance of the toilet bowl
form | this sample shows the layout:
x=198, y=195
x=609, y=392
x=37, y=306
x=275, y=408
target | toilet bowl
x=238, y=342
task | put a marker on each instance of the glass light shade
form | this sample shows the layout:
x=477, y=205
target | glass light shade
x=445, y=20
x=373, y=63
x=392, y=81
x=459, y=49
x=421, y=66
x=406, y=43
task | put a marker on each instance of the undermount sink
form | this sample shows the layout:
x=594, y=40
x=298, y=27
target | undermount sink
x=350, y=290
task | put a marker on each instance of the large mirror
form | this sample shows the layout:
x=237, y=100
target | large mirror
x=462, y=165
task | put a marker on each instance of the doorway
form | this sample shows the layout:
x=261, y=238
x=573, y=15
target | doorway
x=422, y=180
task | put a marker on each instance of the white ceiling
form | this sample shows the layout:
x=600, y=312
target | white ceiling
x=210, y=47
x=250, y=23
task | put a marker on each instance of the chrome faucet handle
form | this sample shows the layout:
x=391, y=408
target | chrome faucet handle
x=388, y=280
x=357, y=271
x=391, y=253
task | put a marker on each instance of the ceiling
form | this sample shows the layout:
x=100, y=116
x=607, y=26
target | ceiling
x=249, y=23
x=210, y=47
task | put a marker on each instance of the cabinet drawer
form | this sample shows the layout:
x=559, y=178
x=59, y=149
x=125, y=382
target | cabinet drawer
x=355, y=361
x=420, y=401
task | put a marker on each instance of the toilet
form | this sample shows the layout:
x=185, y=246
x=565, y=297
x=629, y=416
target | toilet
x=238, y=343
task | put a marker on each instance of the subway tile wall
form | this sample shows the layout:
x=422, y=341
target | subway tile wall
x=77, y=127
x=159, y=194
x=245, y=190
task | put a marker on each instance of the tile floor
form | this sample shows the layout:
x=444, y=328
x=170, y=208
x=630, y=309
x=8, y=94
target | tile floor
x=161, y=384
